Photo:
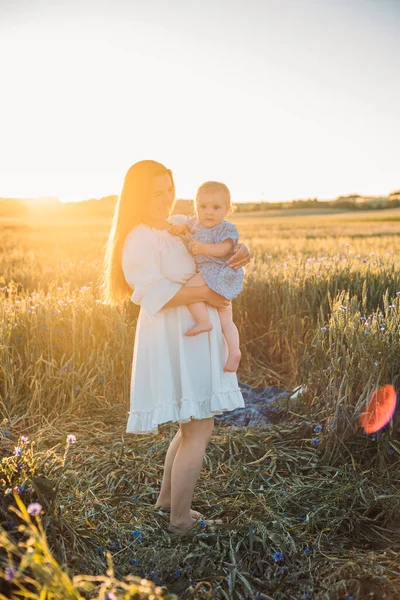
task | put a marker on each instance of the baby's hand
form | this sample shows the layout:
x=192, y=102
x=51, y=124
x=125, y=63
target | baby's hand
x=178, y=229
x=197, y=247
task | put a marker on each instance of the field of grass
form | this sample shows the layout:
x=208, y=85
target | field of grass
x=312, y=502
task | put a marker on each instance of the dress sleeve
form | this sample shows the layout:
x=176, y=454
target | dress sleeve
x=228, y=231
x=140, y=264
x=179, y=219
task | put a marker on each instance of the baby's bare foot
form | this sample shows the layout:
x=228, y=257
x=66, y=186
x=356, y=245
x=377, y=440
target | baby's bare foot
x=200, y=328
x=233, y=361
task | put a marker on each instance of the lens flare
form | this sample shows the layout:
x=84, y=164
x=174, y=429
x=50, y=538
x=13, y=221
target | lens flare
x=379, y=409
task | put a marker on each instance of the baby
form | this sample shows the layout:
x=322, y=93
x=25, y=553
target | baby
x=212, y=241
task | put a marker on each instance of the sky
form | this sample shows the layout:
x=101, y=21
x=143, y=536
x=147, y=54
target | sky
x=279, y=99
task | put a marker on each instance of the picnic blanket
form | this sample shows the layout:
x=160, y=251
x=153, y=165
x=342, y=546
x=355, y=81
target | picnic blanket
x=263, y=405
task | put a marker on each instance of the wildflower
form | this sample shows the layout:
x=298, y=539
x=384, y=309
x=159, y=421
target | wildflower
x=9, y=573
x=318, y=428
x=201, y=523
x=305, y=596
x=283, y=569
x=315, y=441
x=71, y=439
x=366, y=332
x=153, y=448
x=18, y=451
x=343, y=307
x=34, y=508
x=391, y=306
x=390, y=451
x=177, y=574
x=283, y=490
x=6, y=433
x=100, y=379
x=137, y=534
x=134, y=561
x=397, y=293
x=323, y=329
x=376, y=363
x=363, y=319
x=110, y=596
x=17, y=489
x=76, y=389
x=307, y=550
x=18, y=338
x=24, y=439
x=67, y=366
x=277, y=556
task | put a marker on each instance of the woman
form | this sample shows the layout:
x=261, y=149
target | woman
x=174, y=377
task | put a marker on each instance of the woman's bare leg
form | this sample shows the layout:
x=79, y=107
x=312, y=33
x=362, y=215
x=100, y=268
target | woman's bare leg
x=231, y=335
x=186, y=470
x=198, y=310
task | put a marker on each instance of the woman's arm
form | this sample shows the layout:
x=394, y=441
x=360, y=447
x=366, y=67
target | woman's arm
x=241, y=256
x=201, y=293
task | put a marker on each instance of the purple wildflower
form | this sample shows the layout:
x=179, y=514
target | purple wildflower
x=34, y=508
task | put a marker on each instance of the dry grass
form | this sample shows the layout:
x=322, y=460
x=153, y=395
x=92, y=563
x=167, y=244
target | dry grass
x=327, y=500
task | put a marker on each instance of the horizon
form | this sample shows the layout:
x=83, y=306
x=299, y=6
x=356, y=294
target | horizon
x=280, y=100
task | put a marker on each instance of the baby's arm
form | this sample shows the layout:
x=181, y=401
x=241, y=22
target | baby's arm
x=218, y=250
x=181, y=229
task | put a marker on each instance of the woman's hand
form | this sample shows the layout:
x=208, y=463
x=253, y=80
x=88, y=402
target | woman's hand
x=216, y=299
x=241, y=257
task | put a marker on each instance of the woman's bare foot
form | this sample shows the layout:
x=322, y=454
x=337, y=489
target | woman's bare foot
x=193, y=513
x=184, y=527
x=232, y=364
x=200, y=328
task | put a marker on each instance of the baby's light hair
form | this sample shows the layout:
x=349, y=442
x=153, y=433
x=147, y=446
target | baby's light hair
x=216, y=186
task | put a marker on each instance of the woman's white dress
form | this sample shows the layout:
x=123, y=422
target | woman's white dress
x=174, y=377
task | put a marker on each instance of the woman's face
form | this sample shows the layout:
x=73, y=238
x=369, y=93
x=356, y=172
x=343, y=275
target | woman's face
x=162, y=198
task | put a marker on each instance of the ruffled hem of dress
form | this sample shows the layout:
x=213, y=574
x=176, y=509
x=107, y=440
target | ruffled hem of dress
x=146, y=422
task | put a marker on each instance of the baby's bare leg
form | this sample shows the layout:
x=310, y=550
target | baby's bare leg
x=198, y=310
x=231, y=335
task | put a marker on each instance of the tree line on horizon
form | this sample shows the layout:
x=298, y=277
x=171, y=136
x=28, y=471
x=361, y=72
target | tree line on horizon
x=16, y=207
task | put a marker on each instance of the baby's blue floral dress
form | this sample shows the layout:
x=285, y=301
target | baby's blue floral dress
x=218, y=276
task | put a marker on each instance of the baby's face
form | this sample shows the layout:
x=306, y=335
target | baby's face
x=211, y=209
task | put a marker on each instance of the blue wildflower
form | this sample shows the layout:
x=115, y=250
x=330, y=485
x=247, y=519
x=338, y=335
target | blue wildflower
x=100, y=379
x=137, y=534
x=315, y=441
x=318, y=428
x=18, y=451
x=134, y=561
x=277, y=556
x=307, y=550
x=323, y=329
